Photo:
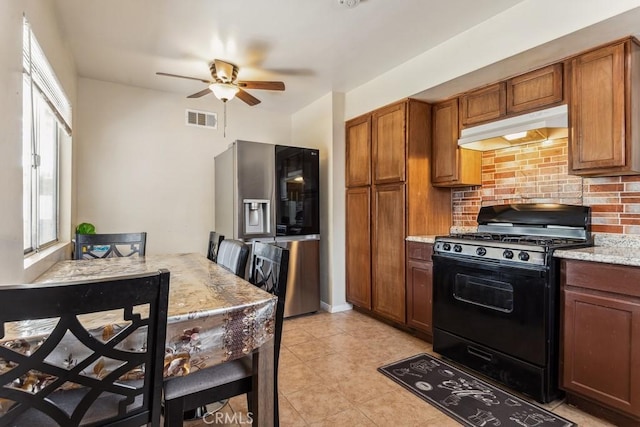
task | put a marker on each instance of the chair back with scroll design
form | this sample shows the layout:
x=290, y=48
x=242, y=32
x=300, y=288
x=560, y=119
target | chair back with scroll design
x=92, y=246
x=214, y=243
x=74, y=368
x=233, y=255
x=269, y=271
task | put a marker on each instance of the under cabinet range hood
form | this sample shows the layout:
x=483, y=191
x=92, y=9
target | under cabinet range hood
x=532, y=127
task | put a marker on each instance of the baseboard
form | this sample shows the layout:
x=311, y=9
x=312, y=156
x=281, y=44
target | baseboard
x=596, y=409
x=335, y=308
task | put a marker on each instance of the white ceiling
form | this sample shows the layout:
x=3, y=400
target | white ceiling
x=314, y=46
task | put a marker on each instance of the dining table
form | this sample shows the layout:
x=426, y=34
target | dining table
x=214, y=316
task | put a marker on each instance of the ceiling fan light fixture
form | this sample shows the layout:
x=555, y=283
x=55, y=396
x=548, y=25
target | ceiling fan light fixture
x=224, y=91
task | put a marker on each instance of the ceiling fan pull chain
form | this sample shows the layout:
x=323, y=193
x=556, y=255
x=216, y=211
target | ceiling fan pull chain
x=224, y=127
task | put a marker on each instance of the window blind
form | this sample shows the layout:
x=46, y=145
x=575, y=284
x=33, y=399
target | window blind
x=35, y=65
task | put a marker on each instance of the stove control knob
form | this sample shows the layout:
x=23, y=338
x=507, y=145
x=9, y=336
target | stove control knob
x=523, y=256
x=507, y=254
x=481, y=251
x=457, y=248
x=446, y=247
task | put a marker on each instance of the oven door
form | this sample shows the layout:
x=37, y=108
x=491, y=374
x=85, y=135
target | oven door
x=499, y=306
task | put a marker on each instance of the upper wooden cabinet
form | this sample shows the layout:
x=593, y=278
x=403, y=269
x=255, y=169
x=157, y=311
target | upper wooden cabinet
x=482, y=105
x=451, y=165
x=605, y=111
x=358, y=155
x=388, y=143
x=528, y=92
x=534, y=90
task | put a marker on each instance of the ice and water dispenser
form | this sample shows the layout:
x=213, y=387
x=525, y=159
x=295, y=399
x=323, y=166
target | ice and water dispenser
x=256, y=216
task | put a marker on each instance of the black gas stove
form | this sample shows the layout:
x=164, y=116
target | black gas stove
x=523, y=234
x=496, y=293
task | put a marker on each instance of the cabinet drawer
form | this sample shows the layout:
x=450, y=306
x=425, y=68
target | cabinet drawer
x=420, y=251
x=613, y=278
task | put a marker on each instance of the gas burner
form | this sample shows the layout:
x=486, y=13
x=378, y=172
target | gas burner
x=533, y=240
x=520, y=234
x=547, y=241
x=478, y=236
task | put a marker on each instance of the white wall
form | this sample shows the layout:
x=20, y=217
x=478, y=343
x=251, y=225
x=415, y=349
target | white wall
x=43, y=21
x=320, y=125
x=516, y=30
x=140, y=168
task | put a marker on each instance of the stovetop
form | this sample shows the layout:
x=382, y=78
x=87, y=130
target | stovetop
x=547, y=241
x=525, y=234
x=512, y=249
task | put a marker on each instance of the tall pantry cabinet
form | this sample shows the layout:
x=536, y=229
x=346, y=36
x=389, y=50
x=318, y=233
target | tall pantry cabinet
x=389, y=196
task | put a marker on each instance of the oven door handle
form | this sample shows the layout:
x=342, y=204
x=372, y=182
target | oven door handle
x=479, y=353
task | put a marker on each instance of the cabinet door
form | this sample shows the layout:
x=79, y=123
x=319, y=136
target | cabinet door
x=484, y=104
x=445, y=142
x=597, y=120
x=419, y=286
x=388, y=139
x=358, y=246
x=451, y=166
x=535, y=90
x=388, y=260
x=358, y=155
x=602, y=348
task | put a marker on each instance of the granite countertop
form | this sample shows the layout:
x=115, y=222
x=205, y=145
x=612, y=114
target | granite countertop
x=421, y=239
x=606, y=254
x=609, y=248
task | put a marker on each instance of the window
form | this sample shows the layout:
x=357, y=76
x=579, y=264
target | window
x=46, y=118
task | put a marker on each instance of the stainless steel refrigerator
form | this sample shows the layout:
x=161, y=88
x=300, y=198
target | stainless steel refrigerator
x=270, y=193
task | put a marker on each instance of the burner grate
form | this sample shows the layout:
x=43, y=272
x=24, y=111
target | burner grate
x=519, y=239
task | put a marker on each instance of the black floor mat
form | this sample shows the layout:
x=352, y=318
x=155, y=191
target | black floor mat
x=465, y=398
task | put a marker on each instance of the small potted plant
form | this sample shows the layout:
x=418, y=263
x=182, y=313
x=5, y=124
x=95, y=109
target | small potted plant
x=85, y=228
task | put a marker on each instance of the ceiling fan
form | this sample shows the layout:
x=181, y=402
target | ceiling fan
x=225, y=85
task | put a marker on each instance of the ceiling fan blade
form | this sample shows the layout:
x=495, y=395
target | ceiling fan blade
x=247, y=97
x=185, y=77
x=261, y=85
x=200, y=94
x=225, y=71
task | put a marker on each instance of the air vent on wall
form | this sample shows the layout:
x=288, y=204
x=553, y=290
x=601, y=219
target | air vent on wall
x=202, y=119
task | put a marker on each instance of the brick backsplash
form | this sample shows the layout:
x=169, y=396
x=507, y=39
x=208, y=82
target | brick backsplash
x=537, y=173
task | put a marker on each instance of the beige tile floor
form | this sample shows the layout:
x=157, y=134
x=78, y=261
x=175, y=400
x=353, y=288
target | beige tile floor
x=328, y=377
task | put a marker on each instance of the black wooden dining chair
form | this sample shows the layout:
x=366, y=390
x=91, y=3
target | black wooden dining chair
x=214, y=243
x=73, y=374
x=233, y=255
x=269, y=269
x=92, y=246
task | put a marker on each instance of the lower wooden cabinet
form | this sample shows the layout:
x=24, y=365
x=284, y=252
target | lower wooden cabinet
x=419, y=286
x=358, y=246
x=601, y=335
x=388, y=258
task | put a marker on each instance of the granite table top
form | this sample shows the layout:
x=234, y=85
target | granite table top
x=213, y=316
